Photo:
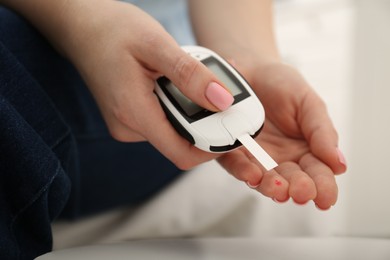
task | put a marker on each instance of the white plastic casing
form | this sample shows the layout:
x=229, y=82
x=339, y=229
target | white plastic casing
x=218, y=132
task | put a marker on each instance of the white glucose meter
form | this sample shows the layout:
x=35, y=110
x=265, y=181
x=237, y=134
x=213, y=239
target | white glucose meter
x=216, y=131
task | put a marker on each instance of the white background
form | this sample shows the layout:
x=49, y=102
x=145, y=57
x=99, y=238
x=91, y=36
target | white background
x=343, y=49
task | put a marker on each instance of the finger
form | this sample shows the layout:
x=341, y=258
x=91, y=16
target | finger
x=145, y=116
x=324, y=180
x=274, y=186
x=189, y=75
x=122, y=133
x=242, y=167
x=320, y=133
x=177, y=149
x=302, y=188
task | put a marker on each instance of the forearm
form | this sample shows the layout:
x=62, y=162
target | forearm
x=246, y=25
x=57, y=20
x=47, y=16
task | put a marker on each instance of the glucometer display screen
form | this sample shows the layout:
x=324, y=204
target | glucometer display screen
x=192, y=110
x=189, y=107
x=223, y=76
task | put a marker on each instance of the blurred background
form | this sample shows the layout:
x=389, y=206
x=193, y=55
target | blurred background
x=343, y=49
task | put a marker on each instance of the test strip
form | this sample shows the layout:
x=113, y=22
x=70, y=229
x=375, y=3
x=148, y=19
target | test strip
x=258, y=152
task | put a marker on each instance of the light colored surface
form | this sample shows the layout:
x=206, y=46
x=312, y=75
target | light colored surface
x=352, y=75
x=316, y=36
x=342, y=47
x=234, y=249
x=204, y=202
x=368, y=205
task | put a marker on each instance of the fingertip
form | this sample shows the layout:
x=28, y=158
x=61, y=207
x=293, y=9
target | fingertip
x=324, y=203
x=197, y=82
x=219, y=96
x=279, y=201
x=342, y=166
x=302, y=189
x=332, y=156
x=336, y=160
x=253, y=185
x=274, y=186
x=322, y=208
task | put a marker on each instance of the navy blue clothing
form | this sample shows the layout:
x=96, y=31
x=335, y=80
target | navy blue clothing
x=57, y=158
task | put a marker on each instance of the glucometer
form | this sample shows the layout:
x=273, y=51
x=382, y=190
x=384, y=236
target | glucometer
x=216, y=131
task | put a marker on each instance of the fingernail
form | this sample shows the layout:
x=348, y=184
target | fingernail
x=279, y=201
x=341, y=157
x=300, y=203
x=219, y=96
x=252, y=186
x=322, y=209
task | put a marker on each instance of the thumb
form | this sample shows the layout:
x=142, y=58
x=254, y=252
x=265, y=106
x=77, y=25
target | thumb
x=192, y=78
x=321, y=134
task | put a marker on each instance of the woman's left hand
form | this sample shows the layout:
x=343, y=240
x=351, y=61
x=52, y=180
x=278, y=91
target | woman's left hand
x=297, y=133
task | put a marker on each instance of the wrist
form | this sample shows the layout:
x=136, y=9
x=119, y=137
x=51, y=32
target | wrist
x=248, y=61
x=57, y=20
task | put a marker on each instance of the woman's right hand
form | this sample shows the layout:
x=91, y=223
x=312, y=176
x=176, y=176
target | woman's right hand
x=120, y=51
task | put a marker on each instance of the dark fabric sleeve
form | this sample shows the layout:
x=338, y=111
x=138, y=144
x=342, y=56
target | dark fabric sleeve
x=33, y=185
x=57, y=158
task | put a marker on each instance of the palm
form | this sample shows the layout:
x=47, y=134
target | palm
x=282, y=146
x=298, y=134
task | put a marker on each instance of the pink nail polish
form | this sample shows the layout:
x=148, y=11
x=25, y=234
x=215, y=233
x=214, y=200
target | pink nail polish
x=219, y=96
x=342, y=159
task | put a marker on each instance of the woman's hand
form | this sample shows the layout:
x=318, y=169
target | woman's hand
x=120, y=51
x=298, y=134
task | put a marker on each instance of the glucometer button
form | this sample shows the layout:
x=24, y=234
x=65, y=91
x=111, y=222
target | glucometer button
x=236, y=125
